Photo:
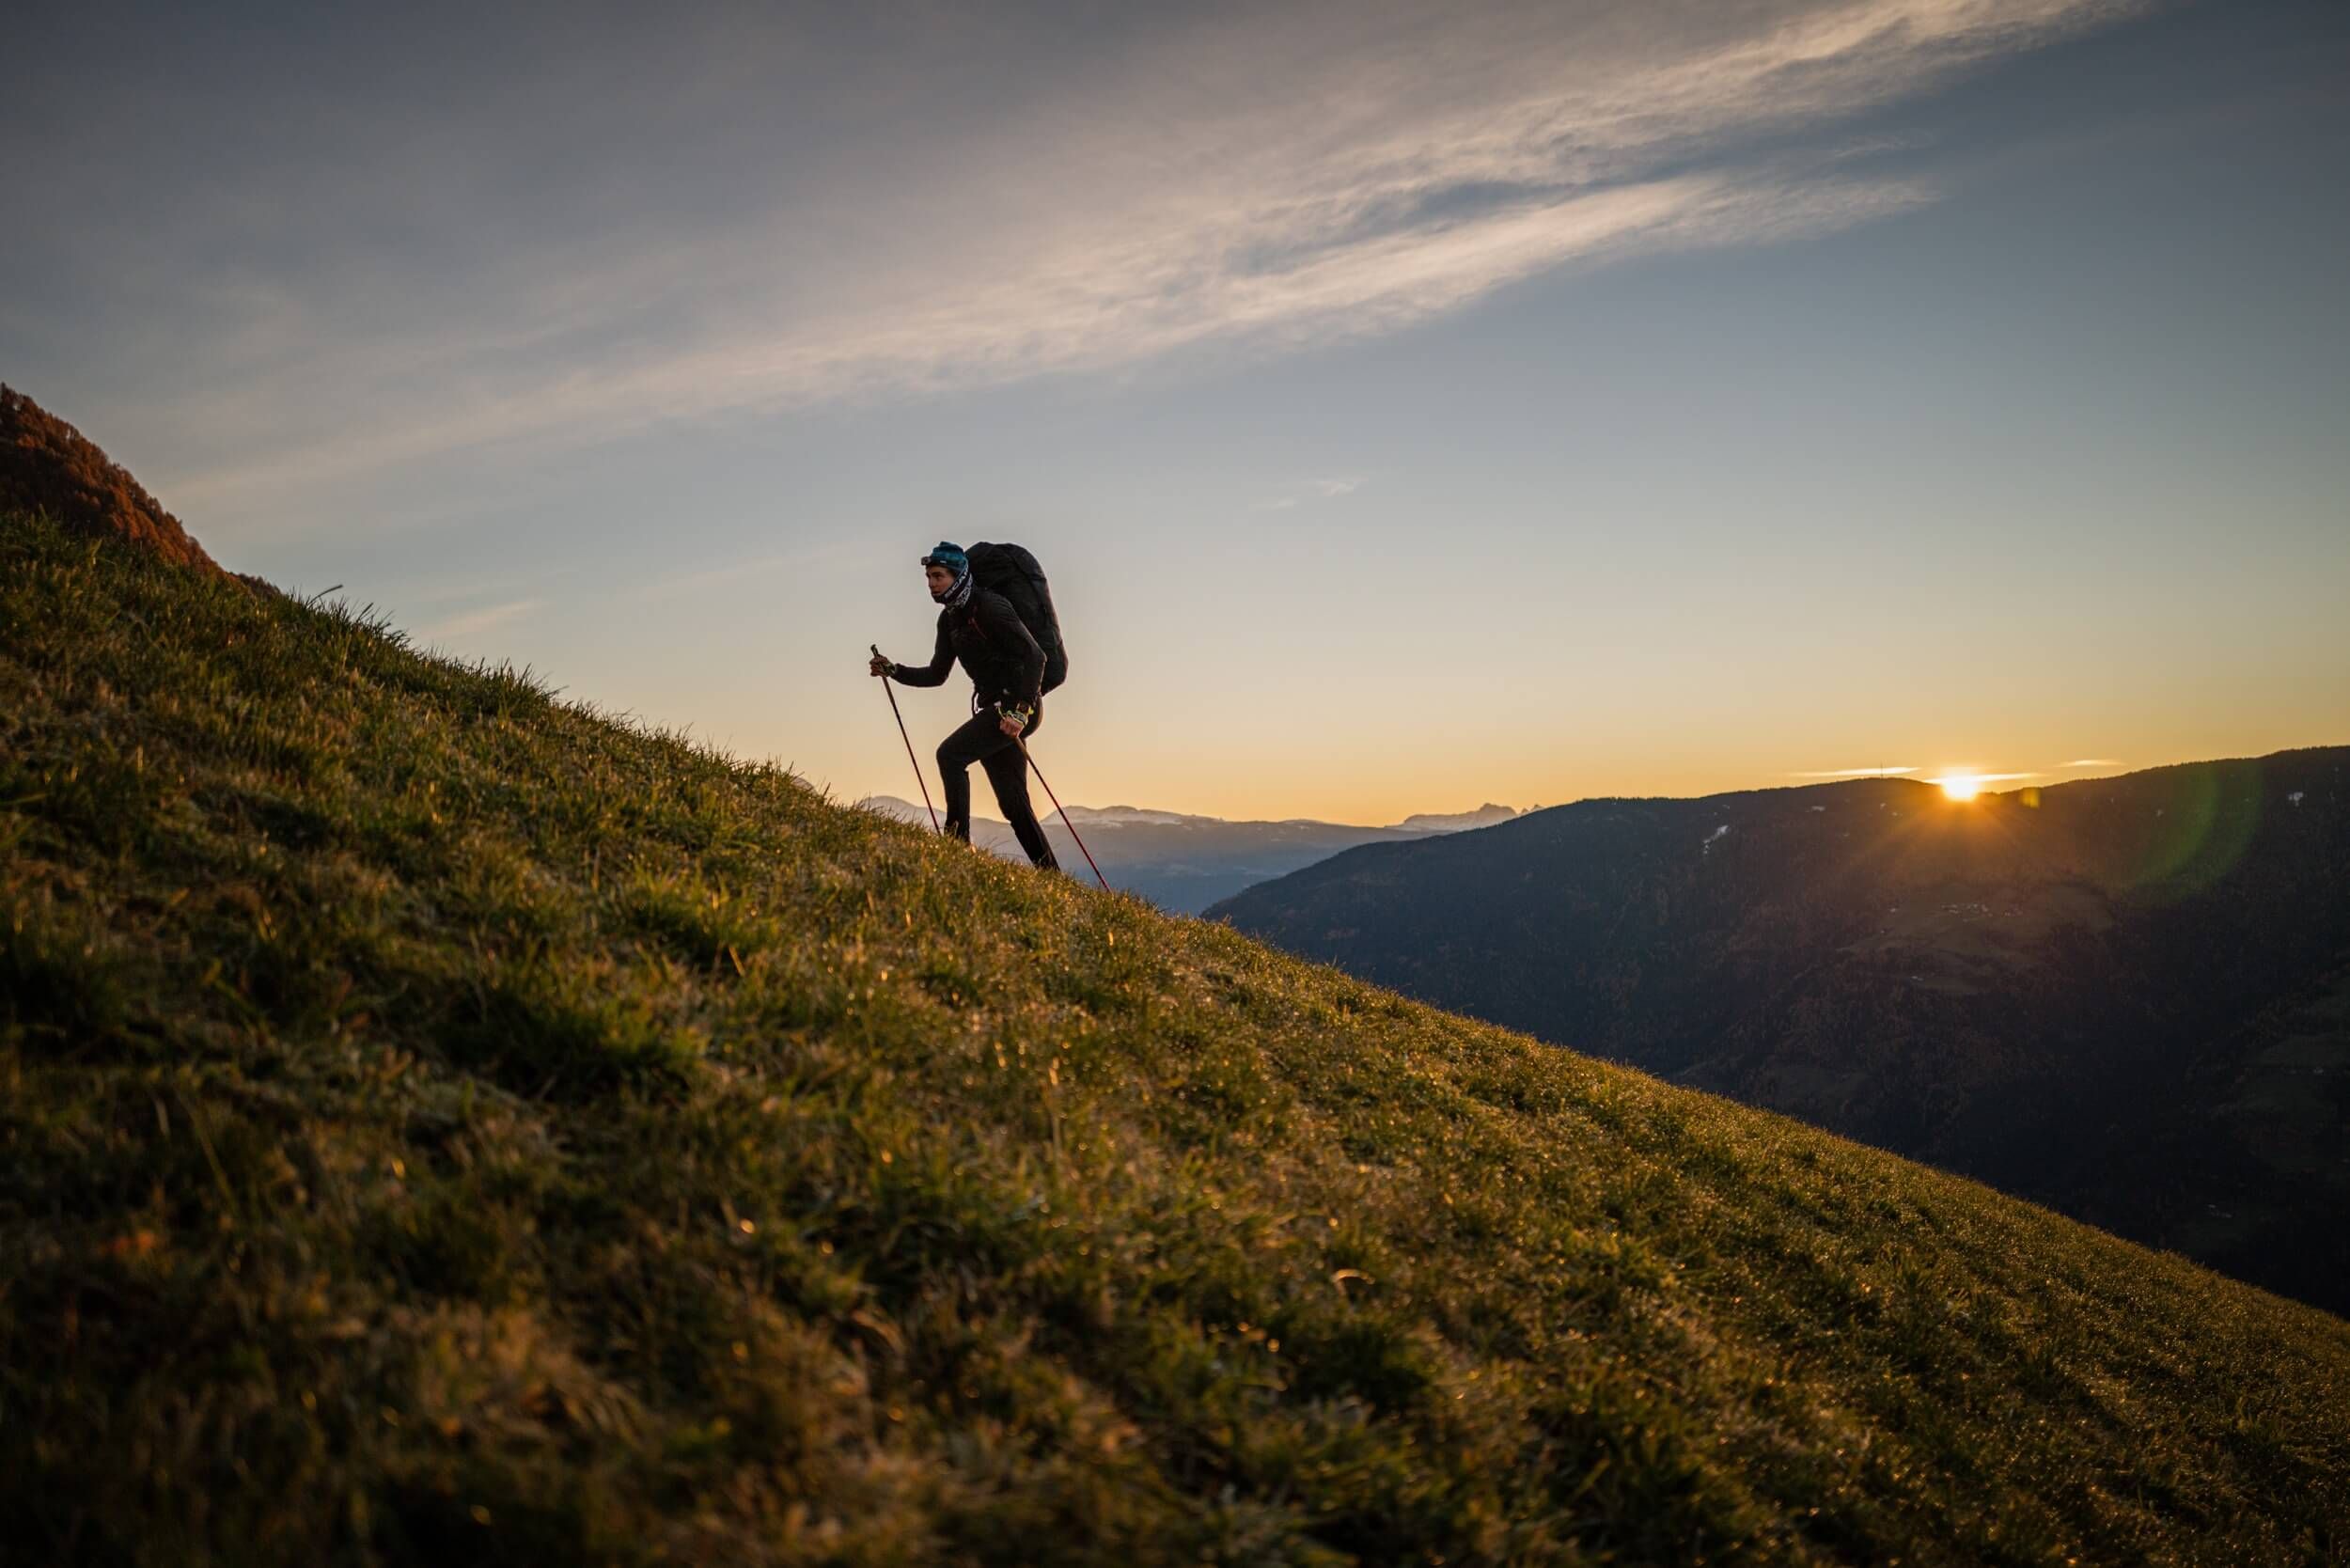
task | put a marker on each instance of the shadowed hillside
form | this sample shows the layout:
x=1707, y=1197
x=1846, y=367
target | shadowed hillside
x=443, y=1125
x=2110, y=996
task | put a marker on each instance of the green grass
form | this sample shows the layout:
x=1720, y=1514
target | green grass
x=439, y=1123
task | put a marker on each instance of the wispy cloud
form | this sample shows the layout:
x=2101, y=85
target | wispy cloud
x=2089, y=763
x=703, y=580
x=1314, y=490
x=1267, y=183
x=472, y=624
x=1853, y=773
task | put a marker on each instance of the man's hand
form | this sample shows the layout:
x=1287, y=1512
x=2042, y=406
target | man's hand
x=1011, y=721
x=882, y=666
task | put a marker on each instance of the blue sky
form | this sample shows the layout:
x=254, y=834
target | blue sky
x=1413, y=405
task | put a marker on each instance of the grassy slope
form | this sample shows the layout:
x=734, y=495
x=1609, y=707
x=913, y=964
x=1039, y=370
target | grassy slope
x=438, y=1123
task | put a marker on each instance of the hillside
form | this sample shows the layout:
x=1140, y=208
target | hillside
x=443, y=1125
x=1184, y=863
x=2079, y=994
x=47, y=466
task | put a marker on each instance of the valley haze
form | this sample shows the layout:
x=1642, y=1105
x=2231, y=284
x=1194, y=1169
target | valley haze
x=1186, y=863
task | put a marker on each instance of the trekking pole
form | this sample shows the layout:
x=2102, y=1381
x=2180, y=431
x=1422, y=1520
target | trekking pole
x=903, y=736
x=1064, y=810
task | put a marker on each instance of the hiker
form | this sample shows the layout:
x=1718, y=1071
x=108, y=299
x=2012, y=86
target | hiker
x=1007, y=668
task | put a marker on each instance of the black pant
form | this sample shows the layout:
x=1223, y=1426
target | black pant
x=982, y=742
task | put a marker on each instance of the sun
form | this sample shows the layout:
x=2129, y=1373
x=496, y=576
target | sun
x=1960, y=786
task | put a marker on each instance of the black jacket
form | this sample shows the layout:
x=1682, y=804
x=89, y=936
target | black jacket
x=1004, y=661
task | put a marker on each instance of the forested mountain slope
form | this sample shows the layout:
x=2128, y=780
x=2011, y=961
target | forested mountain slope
x=2080, y=993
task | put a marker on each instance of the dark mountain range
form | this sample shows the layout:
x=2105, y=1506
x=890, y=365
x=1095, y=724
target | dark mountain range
x=2128, y=998
x=1186, y=863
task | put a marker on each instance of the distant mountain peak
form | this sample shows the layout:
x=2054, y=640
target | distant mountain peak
x=1184, y=862
x=1456, y=822
x=1117, y=816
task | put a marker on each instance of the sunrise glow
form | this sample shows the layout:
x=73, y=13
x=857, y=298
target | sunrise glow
x=1960, y=786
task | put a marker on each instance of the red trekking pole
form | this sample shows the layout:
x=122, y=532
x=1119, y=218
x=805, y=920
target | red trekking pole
x=903, y=736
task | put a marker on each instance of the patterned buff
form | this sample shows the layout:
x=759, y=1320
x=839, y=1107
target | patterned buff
x=954, y=561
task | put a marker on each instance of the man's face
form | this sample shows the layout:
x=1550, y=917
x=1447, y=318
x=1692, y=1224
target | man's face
x=939, y=578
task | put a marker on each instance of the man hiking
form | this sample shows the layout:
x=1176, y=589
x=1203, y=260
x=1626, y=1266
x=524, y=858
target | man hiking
x=1007, y=668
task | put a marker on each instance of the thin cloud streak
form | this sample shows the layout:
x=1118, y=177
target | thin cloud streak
x=1321, y=192
x=1853, y=773
x=1318, y=489
x=709, y=579
x=1109, y=316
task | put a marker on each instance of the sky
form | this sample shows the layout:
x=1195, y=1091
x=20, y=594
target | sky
x=1413, y=405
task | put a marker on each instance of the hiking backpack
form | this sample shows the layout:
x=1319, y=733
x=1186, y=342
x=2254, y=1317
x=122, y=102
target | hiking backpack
x=1009, y=569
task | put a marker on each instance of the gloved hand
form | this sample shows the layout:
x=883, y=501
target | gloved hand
x=883, y=667
x=1010, y=720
